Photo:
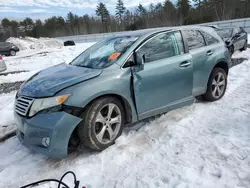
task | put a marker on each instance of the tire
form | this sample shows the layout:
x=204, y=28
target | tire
x=216, y=81
x=244, y=47
x=94, y=131
x=12, y=52
x=231, y=49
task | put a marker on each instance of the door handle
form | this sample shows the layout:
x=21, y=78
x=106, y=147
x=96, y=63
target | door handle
x=209, y=53
x=185, y=64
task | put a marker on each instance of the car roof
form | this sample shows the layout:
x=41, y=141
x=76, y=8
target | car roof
x=227, y=28
x=157, y=30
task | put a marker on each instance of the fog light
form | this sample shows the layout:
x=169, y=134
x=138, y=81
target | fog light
x=46, y=141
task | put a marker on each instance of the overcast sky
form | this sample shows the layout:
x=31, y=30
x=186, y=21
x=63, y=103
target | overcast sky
x=19, y=9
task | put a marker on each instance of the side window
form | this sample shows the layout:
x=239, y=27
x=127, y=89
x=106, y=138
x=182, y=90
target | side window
x=160, y=47
x=210, y=40
x=194, y=39
x=179, y=41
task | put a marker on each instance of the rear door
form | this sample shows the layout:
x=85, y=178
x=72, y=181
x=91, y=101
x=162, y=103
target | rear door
x=202, y=55
x=243, y=37
x=167, y=77
x=238, y=38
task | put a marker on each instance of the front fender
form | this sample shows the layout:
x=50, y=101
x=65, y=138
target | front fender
x=118, y=84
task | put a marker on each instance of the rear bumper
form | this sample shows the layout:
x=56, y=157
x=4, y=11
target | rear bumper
x=47, y=134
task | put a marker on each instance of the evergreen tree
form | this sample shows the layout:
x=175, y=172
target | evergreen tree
x=120, y=10
x=183, y=9
x=103, y=12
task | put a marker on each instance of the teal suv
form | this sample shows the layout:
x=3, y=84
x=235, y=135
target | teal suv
x=116, y=82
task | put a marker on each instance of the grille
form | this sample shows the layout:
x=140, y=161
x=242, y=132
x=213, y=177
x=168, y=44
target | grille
x=22, y=105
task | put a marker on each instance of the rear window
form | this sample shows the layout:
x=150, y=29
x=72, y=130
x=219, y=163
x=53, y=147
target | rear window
x=195, y=39
x=225, y=33
x=209, y=39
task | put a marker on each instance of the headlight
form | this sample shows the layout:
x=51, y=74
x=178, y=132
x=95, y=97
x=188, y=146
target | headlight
x=42, y=104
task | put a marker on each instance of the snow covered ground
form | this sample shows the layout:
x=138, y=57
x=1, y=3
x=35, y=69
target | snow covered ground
x=29, y=43
x=203, y=145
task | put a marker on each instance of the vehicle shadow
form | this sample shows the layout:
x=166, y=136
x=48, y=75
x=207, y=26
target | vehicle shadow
x=237, y=61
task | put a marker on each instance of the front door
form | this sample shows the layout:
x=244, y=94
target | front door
x=167, y=77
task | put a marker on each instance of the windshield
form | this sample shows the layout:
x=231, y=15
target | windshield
x=225, y=33
x=105, y=53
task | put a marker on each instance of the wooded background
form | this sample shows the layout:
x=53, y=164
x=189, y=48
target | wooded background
x=155, y=15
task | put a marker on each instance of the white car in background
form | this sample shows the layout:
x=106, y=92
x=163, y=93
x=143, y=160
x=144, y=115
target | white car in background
x=2, y=64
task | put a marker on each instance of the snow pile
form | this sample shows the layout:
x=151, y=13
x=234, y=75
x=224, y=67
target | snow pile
x=41, y=59
x=28, y=43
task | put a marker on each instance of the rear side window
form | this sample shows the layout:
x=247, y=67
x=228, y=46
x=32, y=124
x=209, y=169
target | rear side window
x=210, y=40
x=194, y=39
x=179, y=41
x=160, y=47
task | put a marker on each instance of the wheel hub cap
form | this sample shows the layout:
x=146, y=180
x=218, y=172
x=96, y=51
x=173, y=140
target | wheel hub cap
x=218, y=85
x=107, y=123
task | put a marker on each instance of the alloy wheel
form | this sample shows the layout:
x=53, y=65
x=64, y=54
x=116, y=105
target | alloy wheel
x=108, y=123
x=218, y=85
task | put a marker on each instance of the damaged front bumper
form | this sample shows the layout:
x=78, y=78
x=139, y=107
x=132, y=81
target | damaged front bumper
x=47, y=134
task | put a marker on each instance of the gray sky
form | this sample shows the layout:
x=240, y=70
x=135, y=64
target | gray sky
x=19, y=9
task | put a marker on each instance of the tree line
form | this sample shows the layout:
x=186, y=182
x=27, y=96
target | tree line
x=155, y=15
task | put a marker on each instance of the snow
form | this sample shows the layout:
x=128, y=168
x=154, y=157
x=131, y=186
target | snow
x=202, y=145
x=7, y=123
x=37, y=60
x=28, y=43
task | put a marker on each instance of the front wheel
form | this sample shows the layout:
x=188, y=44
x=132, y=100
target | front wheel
x=102, y=123
x=216, y=86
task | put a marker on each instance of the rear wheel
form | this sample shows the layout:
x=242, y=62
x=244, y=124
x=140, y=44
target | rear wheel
x=102, y=123
x=12, y=52
x=216, y=86
x=244, y=47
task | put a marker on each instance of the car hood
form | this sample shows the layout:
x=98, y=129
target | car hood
x=50, y=81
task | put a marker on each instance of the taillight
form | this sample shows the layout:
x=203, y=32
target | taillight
x=1, y=58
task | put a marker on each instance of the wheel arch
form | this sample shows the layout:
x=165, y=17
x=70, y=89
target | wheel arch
x=223, y=65
x=77, y=110
x=220, y=64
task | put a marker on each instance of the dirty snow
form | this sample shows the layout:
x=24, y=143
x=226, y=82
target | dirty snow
x=28, y=43
x=202, y=145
